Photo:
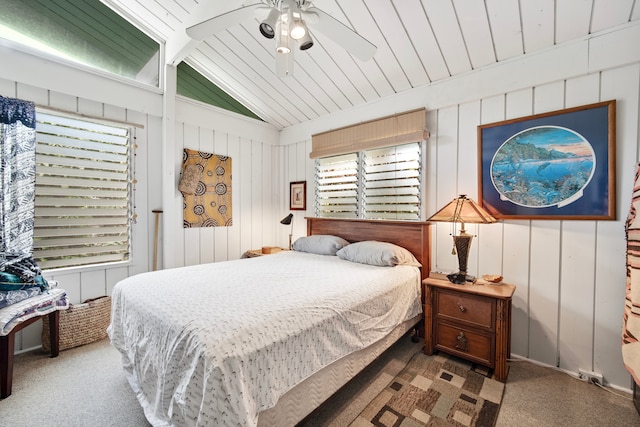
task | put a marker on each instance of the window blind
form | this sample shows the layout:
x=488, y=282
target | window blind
x=337, y=186
x=385, y=132
x=373, y=184
x=391, y=183
x=82, y=204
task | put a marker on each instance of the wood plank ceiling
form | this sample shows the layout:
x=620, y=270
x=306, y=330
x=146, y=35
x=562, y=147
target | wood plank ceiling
x=418, y=42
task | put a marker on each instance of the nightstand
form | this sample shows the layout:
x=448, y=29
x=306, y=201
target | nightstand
x=472, y=322
x=267, y=250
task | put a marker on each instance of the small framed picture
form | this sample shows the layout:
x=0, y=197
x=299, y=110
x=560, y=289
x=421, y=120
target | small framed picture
x=298, y=196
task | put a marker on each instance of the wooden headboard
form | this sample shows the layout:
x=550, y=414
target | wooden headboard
x=414, y=236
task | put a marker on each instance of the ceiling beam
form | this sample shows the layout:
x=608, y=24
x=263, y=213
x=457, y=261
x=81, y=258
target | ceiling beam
x=179, y=43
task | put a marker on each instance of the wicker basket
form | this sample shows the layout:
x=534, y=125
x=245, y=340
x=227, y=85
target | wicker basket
x=80, y=324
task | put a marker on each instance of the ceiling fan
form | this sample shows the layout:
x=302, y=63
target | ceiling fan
x=288, y=22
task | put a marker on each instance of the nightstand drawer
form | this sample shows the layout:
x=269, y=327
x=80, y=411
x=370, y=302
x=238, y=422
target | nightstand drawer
x=465, y=342
x=474, y=309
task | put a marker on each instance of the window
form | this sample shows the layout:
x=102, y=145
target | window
x=337, y=186
x=83, y=193
x=382, y=183
x=83, y=31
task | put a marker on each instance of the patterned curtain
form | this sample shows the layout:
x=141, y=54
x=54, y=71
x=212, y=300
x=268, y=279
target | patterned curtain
x=17, y=175
x=631, y=316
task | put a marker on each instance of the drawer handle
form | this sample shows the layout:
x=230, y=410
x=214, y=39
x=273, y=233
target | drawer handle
x=462, y=307
x=462, y=342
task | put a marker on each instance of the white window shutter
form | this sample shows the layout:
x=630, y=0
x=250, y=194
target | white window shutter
x=391, y=183
x=82, y=206
x=382, y=183
x=337, y=186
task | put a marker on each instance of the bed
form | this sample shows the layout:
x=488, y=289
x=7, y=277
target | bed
x=264, y=341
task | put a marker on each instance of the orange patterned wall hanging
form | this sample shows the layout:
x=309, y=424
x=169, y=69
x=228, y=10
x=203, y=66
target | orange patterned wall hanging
x=206, y=189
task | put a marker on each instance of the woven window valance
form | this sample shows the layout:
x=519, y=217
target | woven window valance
x=387, y=131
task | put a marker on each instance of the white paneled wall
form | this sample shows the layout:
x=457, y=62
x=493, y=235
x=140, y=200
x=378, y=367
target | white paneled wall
x=570, y=275
x=85, y=283
x=251, y=146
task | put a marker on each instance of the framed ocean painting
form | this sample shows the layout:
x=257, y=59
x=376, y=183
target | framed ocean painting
x=556, y=165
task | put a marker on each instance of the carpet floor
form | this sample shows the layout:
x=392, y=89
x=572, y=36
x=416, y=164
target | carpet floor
x=85, y=386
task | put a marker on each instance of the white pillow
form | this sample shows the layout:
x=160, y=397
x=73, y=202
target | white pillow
x=321, y=244
x=377, y=253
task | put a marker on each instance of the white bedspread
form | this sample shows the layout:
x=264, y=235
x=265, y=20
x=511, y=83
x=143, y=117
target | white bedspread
x=215, y=344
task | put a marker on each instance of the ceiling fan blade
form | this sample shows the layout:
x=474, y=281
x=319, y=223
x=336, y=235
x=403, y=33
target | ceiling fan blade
x=220, y=23
x=353, y=42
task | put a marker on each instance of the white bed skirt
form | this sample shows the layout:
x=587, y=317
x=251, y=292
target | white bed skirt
x=302, y=399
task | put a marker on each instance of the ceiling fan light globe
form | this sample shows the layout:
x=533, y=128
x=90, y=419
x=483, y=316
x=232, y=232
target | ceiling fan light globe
x=283, y=37
x=269, y=23
x=298, y=32
x=306, y=45
x=306, y=42
x=267, y=30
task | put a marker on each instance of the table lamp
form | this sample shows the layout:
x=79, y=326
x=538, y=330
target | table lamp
x=286, y=221
x=462, y=210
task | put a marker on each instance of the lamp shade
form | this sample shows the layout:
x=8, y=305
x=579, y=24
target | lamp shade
x=464, y=210
x=287, y=219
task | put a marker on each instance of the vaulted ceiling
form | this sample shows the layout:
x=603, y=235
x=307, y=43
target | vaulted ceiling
x=418, y=42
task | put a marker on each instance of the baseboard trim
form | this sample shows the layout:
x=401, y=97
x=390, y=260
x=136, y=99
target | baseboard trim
x=517, y=358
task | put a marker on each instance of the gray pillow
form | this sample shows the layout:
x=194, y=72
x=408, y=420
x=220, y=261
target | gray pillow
x=378, y=253
x=321, y=244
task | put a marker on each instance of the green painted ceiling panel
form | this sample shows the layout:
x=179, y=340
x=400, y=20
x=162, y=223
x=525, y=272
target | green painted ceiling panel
x=194, y=85
x=87, y=31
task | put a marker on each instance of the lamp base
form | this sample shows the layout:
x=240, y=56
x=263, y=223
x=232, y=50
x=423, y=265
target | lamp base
x=460, y=278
